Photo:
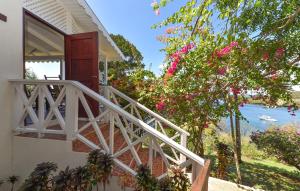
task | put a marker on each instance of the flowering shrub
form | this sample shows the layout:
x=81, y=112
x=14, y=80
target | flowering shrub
x=284, y=144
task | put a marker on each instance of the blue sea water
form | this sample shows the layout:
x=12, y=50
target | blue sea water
x=252, y=113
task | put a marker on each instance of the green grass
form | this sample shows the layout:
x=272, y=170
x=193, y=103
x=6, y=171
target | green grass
x=265, y=174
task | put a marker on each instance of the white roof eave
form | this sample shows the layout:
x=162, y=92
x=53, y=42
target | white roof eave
x=96, y=20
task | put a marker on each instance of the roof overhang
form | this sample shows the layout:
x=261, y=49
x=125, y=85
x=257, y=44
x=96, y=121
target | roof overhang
x=87, y=19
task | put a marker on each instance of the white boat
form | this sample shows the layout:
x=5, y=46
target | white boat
x=267, y=118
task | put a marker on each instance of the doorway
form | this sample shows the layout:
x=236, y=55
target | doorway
x=44, y=55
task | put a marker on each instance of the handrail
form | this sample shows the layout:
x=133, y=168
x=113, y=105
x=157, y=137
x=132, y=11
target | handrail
x=115, y=108
x=201, y=182
x=147, y=110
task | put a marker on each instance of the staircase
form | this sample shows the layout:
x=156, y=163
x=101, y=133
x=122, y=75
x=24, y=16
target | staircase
x=131, y=132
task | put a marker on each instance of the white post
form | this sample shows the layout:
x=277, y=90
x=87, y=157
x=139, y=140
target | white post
x=17, y=107
x=105, y=71
x=63, y=69
x=183, y=141
x=150, y=160
x=41, y=111
x=71, y=112
x=111, y=132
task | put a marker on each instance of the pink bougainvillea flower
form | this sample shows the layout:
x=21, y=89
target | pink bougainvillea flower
x=279, y=52
x=265, y=56
x=160, y=106
x=171, y=70
x=176, y=55
x=174, y=64
x=234, y=44
x=206, y=125
x=226, y=50
x=184, y=50
x=157, y=12
x=222, y=71
x=236, y=91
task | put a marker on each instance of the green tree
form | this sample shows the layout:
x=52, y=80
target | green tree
x=30, y=75
x=218, y=52
x=130, y=76
x=134, y=59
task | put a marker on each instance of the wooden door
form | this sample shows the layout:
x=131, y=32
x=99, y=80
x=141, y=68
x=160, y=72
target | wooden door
x=81, y=52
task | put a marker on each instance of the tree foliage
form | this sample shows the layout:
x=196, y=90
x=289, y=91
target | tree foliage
x=134, y=59
x=212, y=54
x=284, y=144
x=130, y=76
x=220, y=53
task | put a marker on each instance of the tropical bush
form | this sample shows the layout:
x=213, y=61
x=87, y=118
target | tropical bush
x=145, y=181
x=12, y=180
x=97, y=170
x=41, y=177
x=176, y=180
x=100, y=165
x=165, y=184
x=225, y=157
x=284, y=144
x=179, y=180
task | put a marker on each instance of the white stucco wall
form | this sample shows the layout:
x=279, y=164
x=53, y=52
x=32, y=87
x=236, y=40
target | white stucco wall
x=28, y=152
x=11, y=67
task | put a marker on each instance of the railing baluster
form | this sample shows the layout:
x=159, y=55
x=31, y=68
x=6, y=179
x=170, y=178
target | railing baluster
x=71, y=112
x=111, y=132
x=41, y=111
x=150, y=159
x=183, y=142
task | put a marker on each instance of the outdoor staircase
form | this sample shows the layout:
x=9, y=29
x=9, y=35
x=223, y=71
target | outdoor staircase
x=126, y=158
x=130, y=132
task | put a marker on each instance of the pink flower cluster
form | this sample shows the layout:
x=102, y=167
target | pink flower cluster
x=266, y=56
x=176, y=57
x=279, y=52
x=227, y=49
x=206, y=125
x=235, y=90
x=222, y=71
x=160, y=106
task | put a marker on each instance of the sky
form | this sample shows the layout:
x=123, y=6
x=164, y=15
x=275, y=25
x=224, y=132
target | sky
x=133, y=19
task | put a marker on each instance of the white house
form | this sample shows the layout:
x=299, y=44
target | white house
x=61, y=120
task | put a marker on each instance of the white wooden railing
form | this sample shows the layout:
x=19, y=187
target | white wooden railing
x=56, y=112
x=149, y=117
